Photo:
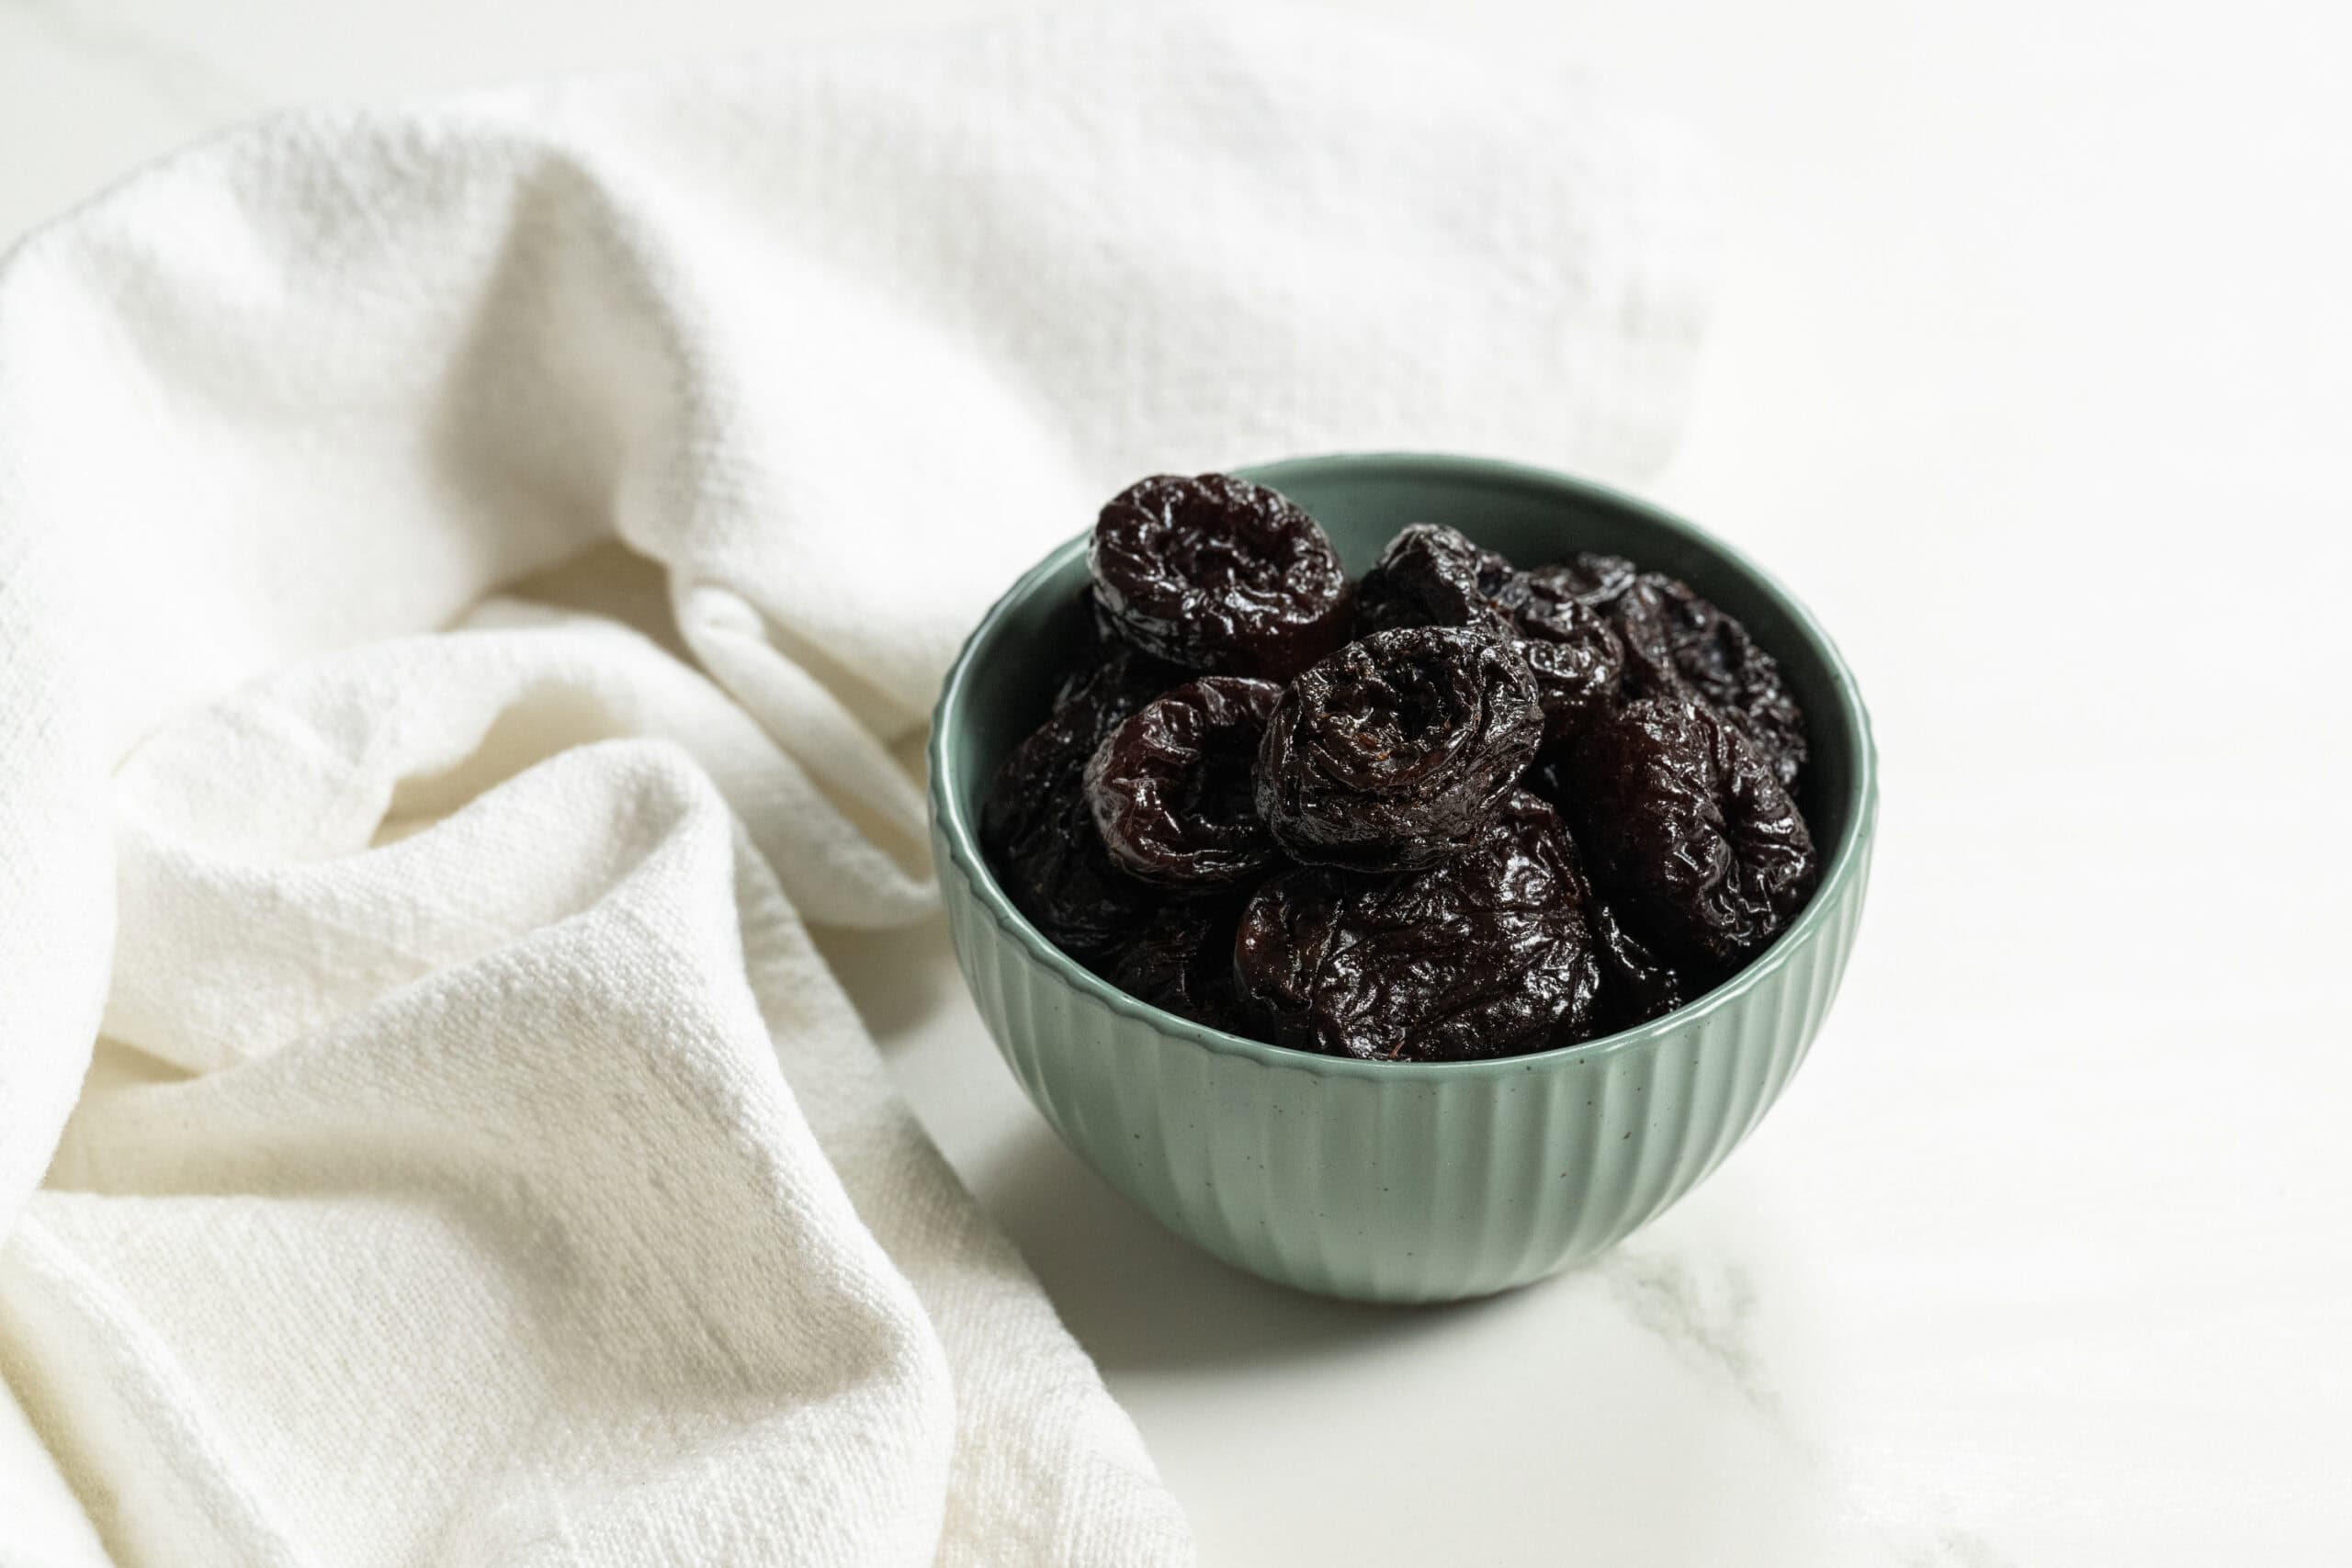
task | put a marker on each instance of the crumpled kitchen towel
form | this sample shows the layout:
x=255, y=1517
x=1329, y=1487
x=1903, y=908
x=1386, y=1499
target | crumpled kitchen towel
x=475, y=1162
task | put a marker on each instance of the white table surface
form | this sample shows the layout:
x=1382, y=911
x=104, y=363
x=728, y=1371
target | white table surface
x=2033, y=373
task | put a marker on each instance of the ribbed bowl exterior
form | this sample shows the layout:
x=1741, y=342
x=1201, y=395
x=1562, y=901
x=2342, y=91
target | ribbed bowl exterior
x=1387, y=1185
x=1402, y=1181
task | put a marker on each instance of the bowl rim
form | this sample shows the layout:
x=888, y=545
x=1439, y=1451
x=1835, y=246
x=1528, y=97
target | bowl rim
x=1848, y=860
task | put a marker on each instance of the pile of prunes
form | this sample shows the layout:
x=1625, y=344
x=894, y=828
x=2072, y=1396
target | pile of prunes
x=1453, y=810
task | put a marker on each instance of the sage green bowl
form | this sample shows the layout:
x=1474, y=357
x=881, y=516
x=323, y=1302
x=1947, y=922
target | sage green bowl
x=1401, y=1181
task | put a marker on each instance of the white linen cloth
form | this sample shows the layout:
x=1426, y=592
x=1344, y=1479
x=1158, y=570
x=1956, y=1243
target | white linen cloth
x=477, y=1162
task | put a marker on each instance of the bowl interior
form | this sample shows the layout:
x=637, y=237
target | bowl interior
x=1000, y=689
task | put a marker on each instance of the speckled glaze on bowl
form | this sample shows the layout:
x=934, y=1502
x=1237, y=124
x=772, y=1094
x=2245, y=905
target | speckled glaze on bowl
x=1402, y=1181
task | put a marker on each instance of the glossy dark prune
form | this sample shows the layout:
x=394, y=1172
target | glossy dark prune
x=1090, y=702
x=1636, y=986
x=1054, y=866
x=1677, y=643
x=1444, y=910
x=1111, y=674
x=1692, y=839
x=1433, y=576
x=1039, y=834
x=1218, y=575
x=1589, y=576
x=1577, y=656
x=1183, y=961
x=1486, y=953
x=1170, y=788
x=1398, y=749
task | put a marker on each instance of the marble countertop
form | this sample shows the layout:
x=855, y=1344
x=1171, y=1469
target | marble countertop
x=2033, y=374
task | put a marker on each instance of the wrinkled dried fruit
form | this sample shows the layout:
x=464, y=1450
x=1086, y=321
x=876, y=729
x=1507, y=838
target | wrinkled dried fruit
x=1589, y=575
x=1053, y=863
x=1576, y=656
x=1218, y=574
x=1532, y=808
x=1678, y=644
x=1170, y=788
x=1183, y=961
x=1692, y=839
x=1433, y=576
x=1041, y=836
x=1486, y=953
x=1112, y=673
x=1398, y=749
x=1636, y=986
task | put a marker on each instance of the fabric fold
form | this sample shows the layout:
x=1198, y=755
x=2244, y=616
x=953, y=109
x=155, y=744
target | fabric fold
x=427, y=1132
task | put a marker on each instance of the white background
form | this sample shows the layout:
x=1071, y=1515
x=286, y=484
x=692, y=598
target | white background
x=2033, y=372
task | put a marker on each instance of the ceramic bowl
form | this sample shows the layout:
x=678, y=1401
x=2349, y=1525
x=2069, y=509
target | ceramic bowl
x=1402, y=1181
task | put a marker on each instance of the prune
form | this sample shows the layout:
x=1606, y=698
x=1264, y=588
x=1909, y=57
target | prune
x=1056, y=869
x=1576, y=658
x=1694, y=841
x=1183, y=961
x=1531, y=807
x=1486, y=953
x=1170, y=788
x=1589, y=575
x=1041, y=836
x=1677, y=643
x=1218, y=574
x=1636, y=986
x=1398, y=749
x=1431, y=576
x=1107, y=670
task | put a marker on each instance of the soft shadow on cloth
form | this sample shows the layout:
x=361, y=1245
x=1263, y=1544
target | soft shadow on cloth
x=477, y=1161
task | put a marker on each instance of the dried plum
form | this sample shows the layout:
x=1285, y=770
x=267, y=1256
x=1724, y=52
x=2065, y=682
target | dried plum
x=1171, y=786
x=1112, y=673
x=1576, y=658
x=1636, y=986
x=1183, y=961
x=1218, y=574
x=1433, y=576
x=1693, y=840
x=1054, y=866
x=1486, y=953
x=1594, y=577
x=1677, y=643
x=1398, y=749
x=1521, y=809
x=1041, y=836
